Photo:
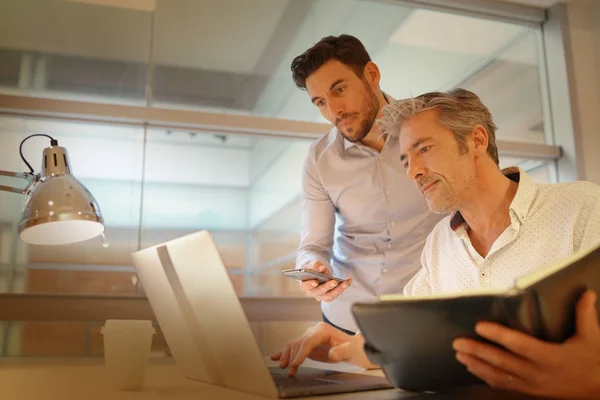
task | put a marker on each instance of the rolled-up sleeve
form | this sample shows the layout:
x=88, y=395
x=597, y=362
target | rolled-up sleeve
x=318, y=218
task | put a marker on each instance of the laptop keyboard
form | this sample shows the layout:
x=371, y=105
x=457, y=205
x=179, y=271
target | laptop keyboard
x=302, y=379
x=290, y=382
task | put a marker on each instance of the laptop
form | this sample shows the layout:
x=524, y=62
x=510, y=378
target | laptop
x=206, y=327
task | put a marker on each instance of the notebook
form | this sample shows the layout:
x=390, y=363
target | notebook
x=411, y=337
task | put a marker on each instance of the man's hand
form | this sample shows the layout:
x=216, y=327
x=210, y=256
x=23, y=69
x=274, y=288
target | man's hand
x=324, y=343
x=570, y=369
x=327, y=291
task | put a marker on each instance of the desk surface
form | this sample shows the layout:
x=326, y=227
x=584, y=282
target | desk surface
x=65, y=379
x=56, y=378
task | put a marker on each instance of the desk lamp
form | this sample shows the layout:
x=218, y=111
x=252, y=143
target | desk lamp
x=58, y=209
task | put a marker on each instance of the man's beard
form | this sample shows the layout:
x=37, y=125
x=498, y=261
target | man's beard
x=370, y=111
x=448, y=203
x=448, y=199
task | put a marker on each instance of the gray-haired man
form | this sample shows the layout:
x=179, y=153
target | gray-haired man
x=447, y=147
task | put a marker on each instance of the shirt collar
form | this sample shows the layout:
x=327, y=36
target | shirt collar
x=347, y=143
x=519, y=207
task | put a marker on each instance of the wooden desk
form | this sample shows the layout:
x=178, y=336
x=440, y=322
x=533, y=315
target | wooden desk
x=84, y=379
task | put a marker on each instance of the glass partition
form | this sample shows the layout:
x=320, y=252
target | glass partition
x=233, y=56
x=74, y=50
x=108, y=160
x=417, y=51
x=155, y=183
x=244, y=189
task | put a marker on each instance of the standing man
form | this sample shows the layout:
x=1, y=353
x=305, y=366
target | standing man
x=361, y=217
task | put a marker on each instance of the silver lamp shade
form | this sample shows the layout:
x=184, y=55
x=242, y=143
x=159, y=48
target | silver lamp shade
x=59, y=209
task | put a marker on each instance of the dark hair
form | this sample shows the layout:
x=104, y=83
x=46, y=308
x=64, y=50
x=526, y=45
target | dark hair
x=344, y=48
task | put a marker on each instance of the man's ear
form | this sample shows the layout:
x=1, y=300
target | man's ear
x=480, y=140
x=371, y=74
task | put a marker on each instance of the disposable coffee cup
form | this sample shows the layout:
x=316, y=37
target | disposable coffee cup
x=127, y=345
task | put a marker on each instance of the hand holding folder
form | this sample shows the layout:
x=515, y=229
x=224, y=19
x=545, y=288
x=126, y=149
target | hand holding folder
x=411, y=337
x=567, y=370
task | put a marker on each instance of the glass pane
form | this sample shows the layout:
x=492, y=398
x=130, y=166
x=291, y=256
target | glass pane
x=244, y=189
x=63, y=339
x=107, y=159
x=84, y=339
x=72, y=49
x=234, y=56
x=509, y=85
x=247, y=69
x=227, y=56
x=541, y=171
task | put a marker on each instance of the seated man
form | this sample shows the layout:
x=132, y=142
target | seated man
x=502, y=226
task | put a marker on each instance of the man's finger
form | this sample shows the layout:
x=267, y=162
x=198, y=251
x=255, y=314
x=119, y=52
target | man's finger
x=308, y=285
x=519, y=343
x=322, y=289
x=309, y=343
x=276, y=356
x=586, y=315
x=494, y=356
x=491, y=375
x=306, y=347
x=342, y=352
x=317, y=266
x=295, y=349
x=285, y=356
x=334, y=293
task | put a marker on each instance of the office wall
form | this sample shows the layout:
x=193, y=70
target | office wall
x=583, y=38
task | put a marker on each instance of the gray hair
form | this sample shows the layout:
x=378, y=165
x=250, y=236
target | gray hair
x=460, y=111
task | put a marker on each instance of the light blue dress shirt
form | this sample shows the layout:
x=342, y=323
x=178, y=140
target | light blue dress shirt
x=362, y=217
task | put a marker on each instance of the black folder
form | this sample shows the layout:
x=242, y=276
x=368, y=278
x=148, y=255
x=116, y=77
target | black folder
x=411, y=337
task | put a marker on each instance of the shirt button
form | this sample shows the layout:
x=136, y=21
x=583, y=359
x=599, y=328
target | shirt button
x=389, y=246
x=381, y=157
x=384, y=271
x=387, y=192
x=392, y=223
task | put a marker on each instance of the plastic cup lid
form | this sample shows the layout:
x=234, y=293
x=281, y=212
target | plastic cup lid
x=126, y=325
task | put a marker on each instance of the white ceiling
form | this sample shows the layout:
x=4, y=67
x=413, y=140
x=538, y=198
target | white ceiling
x=454, y=33
x=217, y=35
x=220, y=35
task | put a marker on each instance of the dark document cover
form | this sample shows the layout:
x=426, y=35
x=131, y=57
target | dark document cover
x=411, y=337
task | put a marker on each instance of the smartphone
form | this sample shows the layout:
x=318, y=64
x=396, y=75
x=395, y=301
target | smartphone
x=306, y=274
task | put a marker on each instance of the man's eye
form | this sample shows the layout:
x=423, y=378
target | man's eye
x=405, y=165
x=424, y=149
x=320, y=103
x=339, y=89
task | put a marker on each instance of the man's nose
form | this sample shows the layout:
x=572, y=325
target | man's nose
x=336, y=108
x=416, y=169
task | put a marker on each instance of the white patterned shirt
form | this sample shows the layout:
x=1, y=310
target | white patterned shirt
x=548, y=222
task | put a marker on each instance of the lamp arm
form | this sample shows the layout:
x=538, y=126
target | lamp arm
x=31, y=179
